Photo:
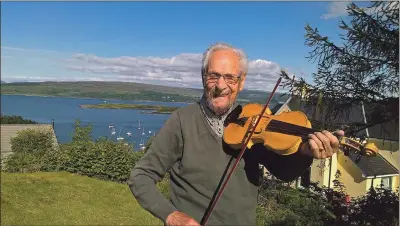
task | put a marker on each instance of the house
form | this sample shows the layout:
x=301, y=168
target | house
x=9, y=131
x=358, y=173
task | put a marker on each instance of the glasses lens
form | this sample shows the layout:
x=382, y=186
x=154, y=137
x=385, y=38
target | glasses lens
x=230, y=79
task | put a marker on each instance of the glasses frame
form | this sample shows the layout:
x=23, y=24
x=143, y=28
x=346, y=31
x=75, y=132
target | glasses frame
x=218, y=75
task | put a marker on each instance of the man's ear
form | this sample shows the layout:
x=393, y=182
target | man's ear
x=242, y=81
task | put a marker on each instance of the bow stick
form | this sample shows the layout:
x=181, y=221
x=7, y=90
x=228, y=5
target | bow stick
x=240, y=156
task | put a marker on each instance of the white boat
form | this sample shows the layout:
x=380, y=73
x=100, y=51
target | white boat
x=119, y=135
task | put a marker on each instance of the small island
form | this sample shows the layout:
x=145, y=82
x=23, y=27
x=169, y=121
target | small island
x=154, y=109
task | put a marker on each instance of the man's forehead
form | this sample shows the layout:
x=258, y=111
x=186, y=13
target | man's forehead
x=224, y=59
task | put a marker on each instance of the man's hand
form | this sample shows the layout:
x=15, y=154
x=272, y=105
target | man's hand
x=178, y=218
x=322, y=144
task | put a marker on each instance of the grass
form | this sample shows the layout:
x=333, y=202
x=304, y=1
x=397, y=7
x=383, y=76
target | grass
x=155, y=108
x=67, y=199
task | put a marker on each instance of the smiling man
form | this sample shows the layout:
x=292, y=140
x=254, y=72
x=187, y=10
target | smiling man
x=190, y=147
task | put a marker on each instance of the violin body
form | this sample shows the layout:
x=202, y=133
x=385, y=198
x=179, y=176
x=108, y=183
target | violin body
x=281, y=133
x=284, y=144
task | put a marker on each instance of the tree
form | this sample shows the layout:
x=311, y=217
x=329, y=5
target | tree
x=364, y=69
x=14, y=119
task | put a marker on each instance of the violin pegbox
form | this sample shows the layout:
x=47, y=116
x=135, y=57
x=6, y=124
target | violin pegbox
x=349, y=145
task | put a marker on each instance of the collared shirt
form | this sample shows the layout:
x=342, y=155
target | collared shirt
x=216, y=122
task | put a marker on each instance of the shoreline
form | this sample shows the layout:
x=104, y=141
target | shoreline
x=95, y=98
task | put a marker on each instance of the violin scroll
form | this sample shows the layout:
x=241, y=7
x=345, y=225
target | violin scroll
x=348, y=144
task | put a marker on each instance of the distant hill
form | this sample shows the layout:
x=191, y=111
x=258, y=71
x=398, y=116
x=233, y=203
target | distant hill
x=3, y=82
x=123, y=91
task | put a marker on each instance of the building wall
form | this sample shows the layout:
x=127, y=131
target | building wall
x=351, y=176
x=320, y=171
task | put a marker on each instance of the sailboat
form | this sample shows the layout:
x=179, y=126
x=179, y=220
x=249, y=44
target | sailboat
x=139, y=125
x=142, y=147
x=129, y=133
x=119, y=135
x=113, y=131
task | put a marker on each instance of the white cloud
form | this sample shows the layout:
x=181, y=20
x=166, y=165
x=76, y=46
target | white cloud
x=336, y=9
x=182, y=70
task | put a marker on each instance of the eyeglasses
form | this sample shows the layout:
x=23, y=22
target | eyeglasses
x=230, y=79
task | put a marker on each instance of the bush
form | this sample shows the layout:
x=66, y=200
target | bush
x=380, y=206
x=102, y=159
x=280, y=204
x=31, y=151
x=12, y=119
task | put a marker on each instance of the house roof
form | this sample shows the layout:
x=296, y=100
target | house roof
x=387, y=131
x=373, y=166
x=9, y=131
x=391, y=157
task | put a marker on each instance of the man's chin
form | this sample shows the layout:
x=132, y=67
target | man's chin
x=219, y=108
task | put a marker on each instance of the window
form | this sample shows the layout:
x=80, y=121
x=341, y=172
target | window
x=387, y=182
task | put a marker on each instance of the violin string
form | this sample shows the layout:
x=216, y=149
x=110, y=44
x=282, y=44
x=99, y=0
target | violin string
x=280, y=126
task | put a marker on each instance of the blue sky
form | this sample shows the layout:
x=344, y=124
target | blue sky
x=156, y=42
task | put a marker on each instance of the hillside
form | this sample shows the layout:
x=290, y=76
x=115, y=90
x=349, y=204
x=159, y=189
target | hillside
x=121, y=90
x=68, y=199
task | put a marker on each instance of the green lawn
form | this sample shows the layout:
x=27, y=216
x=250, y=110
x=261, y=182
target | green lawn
x=64, y=198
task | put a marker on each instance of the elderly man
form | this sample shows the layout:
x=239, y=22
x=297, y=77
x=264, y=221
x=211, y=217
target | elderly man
x=191, y=148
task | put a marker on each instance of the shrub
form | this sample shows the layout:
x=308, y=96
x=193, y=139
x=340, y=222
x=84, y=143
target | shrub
x=102, y=159
x=12, y=119
x=380, y=206
x=31, y=151
x=280, y=204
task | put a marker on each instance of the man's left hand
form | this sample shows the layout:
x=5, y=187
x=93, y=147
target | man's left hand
x=322, y=144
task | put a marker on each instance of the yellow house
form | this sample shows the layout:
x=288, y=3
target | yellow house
x=357, y=174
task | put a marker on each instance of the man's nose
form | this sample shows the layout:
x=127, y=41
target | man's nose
x=221, y=84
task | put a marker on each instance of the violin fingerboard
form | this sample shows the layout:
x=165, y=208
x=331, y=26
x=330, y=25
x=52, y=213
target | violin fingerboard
x=290, y=129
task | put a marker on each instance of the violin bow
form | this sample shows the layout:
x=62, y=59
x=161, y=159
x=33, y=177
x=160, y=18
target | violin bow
x=214, y=203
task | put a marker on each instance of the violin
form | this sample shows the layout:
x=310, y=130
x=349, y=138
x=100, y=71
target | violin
x=283, y=133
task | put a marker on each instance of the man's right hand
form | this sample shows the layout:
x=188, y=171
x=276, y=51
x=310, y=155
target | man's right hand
x=180, y=219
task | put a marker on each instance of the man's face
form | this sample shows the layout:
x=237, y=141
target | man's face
x=221, y=93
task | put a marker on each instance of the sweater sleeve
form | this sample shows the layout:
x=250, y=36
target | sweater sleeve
x=286, y=167
x=161, y=156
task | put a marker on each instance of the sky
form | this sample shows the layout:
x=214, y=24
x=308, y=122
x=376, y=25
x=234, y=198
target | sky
x=157, y=42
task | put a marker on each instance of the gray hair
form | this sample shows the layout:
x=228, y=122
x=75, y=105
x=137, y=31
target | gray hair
x=223, y=46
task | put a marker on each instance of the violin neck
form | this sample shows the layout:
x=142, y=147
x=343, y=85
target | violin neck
x=289, y=129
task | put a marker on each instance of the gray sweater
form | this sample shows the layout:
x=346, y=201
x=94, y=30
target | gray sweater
x=197, y=159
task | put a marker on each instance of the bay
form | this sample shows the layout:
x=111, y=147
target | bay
x=64, y=111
